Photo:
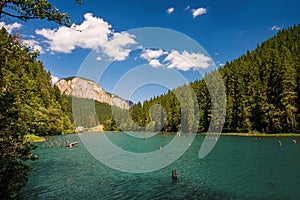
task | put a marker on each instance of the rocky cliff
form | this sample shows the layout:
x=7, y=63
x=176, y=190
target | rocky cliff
x=83, y=88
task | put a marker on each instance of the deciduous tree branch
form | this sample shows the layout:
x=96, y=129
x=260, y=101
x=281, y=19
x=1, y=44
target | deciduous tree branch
x=22, y=17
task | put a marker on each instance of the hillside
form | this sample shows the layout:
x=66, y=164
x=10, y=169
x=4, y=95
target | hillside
x=263, y=91
x=27, y=91
x=262, y=88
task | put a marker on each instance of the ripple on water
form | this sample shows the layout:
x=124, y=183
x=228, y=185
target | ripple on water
x=237, y=168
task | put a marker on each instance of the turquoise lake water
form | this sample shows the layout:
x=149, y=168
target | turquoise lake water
x=236, y=168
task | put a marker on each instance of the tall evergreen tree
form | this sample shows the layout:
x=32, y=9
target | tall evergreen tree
x=262, y=89
x=29, y=104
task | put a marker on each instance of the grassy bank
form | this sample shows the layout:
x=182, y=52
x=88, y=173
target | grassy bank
x=34, y=138
x=98, y=128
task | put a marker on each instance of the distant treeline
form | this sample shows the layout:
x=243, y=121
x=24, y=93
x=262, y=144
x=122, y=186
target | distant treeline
x=86, y=112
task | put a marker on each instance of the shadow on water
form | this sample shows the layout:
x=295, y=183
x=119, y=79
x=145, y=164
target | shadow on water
x=133, y=188
x=155, y=188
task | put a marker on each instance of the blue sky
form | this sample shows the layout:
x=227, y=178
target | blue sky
x=225, y=29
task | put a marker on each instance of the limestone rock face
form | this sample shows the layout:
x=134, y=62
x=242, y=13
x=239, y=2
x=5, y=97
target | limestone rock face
x=82, y=88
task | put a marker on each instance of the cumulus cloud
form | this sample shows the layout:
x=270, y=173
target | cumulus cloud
x=98, y=58
x=185, y=60
x=176, y=60
x=170, y=10
x=155, y=63
x=116, y=46
x=276, y=28
x=199, y=11
x=94, y=33
x=34, y=45
x=54, y=79
x=150, y=54
x=10, y=27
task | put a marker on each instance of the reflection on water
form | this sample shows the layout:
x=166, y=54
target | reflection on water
x=237, y=168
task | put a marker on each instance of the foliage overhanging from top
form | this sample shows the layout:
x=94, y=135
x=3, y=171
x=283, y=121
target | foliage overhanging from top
x=34, y=9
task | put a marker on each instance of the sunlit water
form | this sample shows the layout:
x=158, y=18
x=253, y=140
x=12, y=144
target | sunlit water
x=237, y=168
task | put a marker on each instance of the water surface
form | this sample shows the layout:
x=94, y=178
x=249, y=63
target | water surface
x=237, y=168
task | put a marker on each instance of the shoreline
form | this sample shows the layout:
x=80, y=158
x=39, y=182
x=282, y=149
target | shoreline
x=35, y=139
x=223, y=134
x=261, y=134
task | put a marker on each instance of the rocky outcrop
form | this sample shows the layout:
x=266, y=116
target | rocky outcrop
x=83, y=88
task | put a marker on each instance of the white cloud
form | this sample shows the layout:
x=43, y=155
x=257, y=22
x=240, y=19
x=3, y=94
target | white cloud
x=176, y=60
x=276, y=28
x=94, y=33
x=199, y=11
x=152, y=55
x=170, y=10
x=149, y=54
x=34, y=45
x=54, y=79
x=98, y=58
x=185, y=61
x=187, y=8
x=220, y=64
x=10, y=27
x=155, y=63
x=116, y=47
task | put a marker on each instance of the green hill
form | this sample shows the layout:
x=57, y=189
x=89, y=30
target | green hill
x=26, y=87
x=262, y=88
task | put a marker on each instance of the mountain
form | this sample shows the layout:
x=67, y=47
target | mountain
x=87, y=89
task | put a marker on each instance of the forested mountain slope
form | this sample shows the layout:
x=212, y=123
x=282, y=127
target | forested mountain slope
x=26, y=87
x=262, y=88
